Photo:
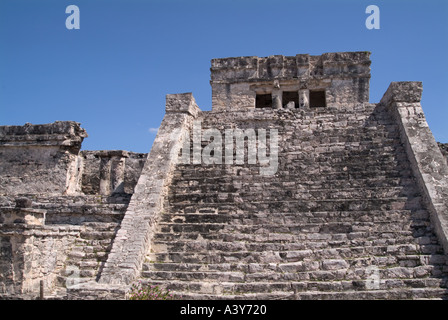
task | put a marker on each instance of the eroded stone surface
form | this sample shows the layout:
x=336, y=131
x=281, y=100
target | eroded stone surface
x=356, y=208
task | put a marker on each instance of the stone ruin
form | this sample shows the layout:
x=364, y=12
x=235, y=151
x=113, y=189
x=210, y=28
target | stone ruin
x=357, y=207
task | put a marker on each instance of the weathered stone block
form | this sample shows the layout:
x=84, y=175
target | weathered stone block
x=410, y=91
x=181, y=102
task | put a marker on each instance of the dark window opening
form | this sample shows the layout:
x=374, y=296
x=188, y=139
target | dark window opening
x=263, y=101
x=290, y=96
x=317, y=99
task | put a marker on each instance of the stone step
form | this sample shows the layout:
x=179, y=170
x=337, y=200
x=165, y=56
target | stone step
x=201, y=255
x=239, y=178
x=89, y=264
x=326, y=145
x=330, y=145
x=337, y=153
x=204, y=250
x=288, y=192
x=206, y=174
x=101, y=226
x=299, y=290
x=78, y=255
x=300, y=228
x=210, y=216
x=289, y=262
x=310, y=240
x=239, y=183
x=300, y=173
x=397, y=294
x=385, y=135
x=309, y=276
x=93, y=244
x=97, y=235
x=275, y=270
x=352, y=156
x=369, y=134
x=296, y=186
x=331, y=153
x=398, y=203
x=303, y=136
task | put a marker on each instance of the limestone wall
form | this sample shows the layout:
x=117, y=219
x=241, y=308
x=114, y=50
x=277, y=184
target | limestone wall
x=40, y=158
x=31, y=251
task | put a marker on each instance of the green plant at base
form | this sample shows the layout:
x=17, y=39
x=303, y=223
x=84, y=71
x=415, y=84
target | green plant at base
x=138, y=291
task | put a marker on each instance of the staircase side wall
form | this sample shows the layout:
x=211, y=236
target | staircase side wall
x=133, y=238
x=427, y=161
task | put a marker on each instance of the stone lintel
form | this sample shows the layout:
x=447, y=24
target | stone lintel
x=112, y=153
x=302, y=66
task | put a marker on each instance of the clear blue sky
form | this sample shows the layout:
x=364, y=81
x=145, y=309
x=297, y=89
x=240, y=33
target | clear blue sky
x=113, y=73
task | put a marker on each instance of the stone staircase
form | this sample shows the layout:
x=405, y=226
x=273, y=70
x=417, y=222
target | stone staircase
x=341, y=218
x=98, y=218
x=90, y=251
